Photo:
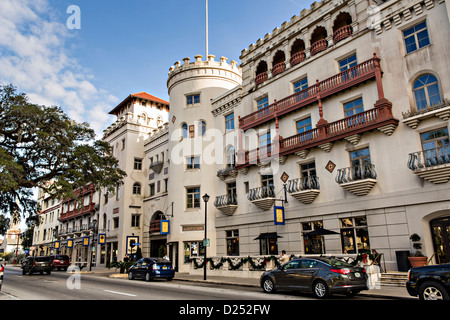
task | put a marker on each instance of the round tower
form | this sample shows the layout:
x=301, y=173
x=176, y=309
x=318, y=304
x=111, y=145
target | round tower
x=192, y=151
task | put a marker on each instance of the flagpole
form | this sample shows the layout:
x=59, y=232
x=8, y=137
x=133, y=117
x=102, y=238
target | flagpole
x=206, y=42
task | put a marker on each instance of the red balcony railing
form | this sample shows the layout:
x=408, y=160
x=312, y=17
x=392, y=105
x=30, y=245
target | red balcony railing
x=318, y=46
x=342, y=33
x=368, y=120
x=327, y=87
x=298, y=58
x=278, y=68
x=155, y=226
x=77, y=212
x=260, y=78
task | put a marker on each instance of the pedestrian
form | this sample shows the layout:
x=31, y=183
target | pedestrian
x=126, y=258
x=284, y=257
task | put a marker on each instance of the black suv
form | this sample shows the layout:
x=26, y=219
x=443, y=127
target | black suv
x=430, y=282
x=37, y=264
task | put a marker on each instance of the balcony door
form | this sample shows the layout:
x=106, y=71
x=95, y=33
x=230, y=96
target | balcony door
x=440, y=230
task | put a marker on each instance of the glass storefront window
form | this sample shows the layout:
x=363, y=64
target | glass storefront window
x=354, y=235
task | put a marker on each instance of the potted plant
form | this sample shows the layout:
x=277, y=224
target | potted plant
x=417, y=259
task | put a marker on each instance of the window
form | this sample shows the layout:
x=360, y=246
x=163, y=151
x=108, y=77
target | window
x=246, y=187
x=264, y=139
x=301, y=85
x=192, y=99
x=229, y=122
x=435, y=139
x=231, y=189
x=152, y=189
x=353, y=107
x=192, y=163
x=416, y=37
x=354, y=235
x=426, y=91
x=118, y=192
x=313, y=244
x=137, y=188
x=268, y=244
x=267, y=180
x=262, y=103
x=361, y=167
x=166, y=185
x=135, y=220
x=202, y=128
x=347, y=63
x=193, y=249
x=193, y=197
x=231, y=157
x=123, y=144
x=184, y=130
x=360, y=157
x=232, y=238
x=115, y=223
x=304, y=125
x=137, y=164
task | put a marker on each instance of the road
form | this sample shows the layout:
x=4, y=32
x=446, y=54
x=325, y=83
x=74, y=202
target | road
x=62, y=286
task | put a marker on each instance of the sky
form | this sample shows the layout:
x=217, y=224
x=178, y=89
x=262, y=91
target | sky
x=121, y=47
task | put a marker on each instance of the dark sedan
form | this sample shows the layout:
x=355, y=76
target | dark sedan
x=151, y=268
x=321, y=276
x=429, y=282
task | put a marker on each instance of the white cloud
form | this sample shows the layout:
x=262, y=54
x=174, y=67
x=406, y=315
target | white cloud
x=34, y=58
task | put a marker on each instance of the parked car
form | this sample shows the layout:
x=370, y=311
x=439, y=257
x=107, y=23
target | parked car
x=321, y=276
x=2, y=268
x=37, y=264
x=60, y=261
x=429, y=282
x=151, y=268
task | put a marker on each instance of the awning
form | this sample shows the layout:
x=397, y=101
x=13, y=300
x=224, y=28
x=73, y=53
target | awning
x=319, y=232
x=269, y=235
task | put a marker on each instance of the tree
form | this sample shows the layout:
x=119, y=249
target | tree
x=40, y=144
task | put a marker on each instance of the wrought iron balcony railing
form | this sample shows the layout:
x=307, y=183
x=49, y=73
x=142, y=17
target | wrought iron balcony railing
x=226, y=200
x=303, y=183
x=261, y=193
x=429, y=158
x=356, y=172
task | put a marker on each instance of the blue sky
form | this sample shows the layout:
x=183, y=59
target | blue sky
x=122, y=47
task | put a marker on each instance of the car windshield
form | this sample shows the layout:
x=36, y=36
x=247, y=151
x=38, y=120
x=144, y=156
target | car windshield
x=336, y=262
x=61, y=257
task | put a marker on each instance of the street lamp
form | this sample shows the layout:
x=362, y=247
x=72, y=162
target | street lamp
x=205, y=199
x=93, y=228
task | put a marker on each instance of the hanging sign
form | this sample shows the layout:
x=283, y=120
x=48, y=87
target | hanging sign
x=278, y=213
x=56, y=245
x=85, y=241
x=102, y=238
x=165, y=227
x=70, y=243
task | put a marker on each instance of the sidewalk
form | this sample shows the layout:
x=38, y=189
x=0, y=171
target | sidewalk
x=387, y=292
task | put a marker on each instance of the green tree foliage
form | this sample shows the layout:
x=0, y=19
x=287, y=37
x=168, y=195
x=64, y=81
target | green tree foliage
x=40, y=144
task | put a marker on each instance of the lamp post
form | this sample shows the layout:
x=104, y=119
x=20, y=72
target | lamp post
x=205, y=199
x=93, y=227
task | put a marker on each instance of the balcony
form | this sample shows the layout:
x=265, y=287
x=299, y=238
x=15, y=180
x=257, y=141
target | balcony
x=227, y=203
x=90, y=208
x=157, y=166
x=342, y=33
x=433, y=165
x=344, y=80
x=349, y=128
x=230, y=171
x=304, y=189
x=318, y=46
x=357, y=179
x=260, y=78
x=262, y=197
x=278, y=68
x=413, y=117
x=298, y=58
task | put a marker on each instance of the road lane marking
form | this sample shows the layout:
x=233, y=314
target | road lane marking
x=122, y=293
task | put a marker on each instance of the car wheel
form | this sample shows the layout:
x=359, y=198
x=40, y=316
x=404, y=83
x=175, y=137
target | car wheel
x=49, y=272
x=130, y=276
x=432, y=291
x=169, y=279
x=148, y=277
x=320, y=289
x=24, y=272
x=268, y=285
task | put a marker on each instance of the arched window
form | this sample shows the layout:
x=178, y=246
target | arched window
x=137, y=188
x=184, y=130
x=231, y=157
x=426, y=91
x=202, y=128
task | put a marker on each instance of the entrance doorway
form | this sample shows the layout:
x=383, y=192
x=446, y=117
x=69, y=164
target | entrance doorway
x=440, y=230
